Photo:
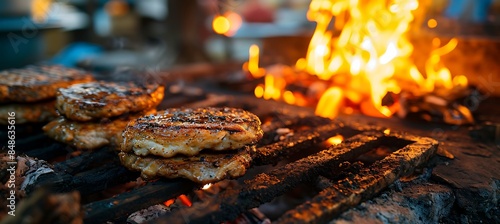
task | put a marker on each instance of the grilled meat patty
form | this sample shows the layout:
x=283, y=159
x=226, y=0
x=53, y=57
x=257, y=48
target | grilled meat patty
x=96, y=100
x=44, y=111
x=202, y=168
x=89, y=135
x=188, y=131
x=35, y=83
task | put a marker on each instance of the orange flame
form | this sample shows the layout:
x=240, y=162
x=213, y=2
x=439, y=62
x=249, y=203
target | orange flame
x=362, y=63
x=330, y=102
x=252, y=65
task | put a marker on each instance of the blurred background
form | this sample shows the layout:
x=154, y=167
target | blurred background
x=103, y=35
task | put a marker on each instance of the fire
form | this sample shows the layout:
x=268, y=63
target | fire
x=169, y=202
x=185, y=200
x=387, y=131
x=335, y=140
x=329, y=103
x=182, y=198
x=365, y=62
x=253, y=62
x=371, y=47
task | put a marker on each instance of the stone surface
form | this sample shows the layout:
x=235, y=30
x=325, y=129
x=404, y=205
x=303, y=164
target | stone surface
x=473, y=175
x=412, y=203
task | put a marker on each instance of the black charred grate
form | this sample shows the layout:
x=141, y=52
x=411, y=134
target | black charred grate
x=341, y=195
x=304, y=158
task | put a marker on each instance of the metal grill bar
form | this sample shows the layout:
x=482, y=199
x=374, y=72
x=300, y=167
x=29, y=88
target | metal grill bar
x=117, y=208
x=349, y=192
x=266, y=186
x=271, y=153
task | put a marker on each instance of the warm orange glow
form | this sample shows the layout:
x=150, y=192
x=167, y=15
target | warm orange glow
x=372, y=45
x=221, y=25
x=169, y=202
x=460, y=81
x=288, y=97
x=253, y=62
x=432, y=23
x=329, y=104
x=301, y=64
x=235, y=20
x=227, y=24
x=40, y=9
x=437, y=74
x=387, y=131
x=117, y=7
x=273, y=87
x=369, y=58
x=259, y=91
x=185, y=200
x=335, y=140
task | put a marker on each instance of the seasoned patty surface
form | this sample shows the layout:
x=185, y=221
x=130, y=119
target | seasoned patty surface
x=202, y=168
x=96, y=100
x=35, y=83
x=44, y=111
x=89, y=135
x=188, y=131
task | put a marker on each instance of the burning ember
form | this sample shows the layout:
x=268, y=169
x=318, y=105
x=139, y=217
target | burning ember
x=367, y=67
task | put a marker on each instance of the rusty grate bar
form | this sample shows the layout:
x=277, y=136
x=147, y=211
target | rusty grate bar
x=266, y=186
x=271, y=153
x=349, y=192
x=122, y=205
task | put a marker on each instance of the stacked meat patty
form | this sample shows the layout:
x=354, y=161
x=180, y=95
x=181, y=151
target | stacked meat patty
x=203, y=145
x=94, y=113
x=30, y=92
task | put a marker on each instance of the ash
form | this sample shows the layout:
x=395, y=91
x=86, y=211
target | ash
x=148, y=214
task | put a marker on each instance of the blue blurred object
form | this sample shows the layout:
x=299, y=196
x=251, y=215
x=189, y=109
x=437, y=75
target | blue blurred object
x=468, y=10
x=76, y=52
x=21, y=41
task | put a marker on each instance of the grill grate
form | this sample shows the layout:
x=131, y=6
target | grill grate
x=345, y=182
x=336, y=198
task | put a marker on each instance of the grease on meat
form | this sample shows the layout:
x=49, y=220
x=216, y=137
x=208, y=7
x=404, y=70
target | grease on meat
x=96, y=100
x=35, y=83
x=89, y=135
x=188, y=131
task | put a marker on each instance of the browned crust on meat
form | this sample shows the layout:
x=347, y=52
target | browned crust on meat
x=203, y=168
x=96, y=100
x=89, y=135
x=188, y=131
x=29, y=113
x=35, y=83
